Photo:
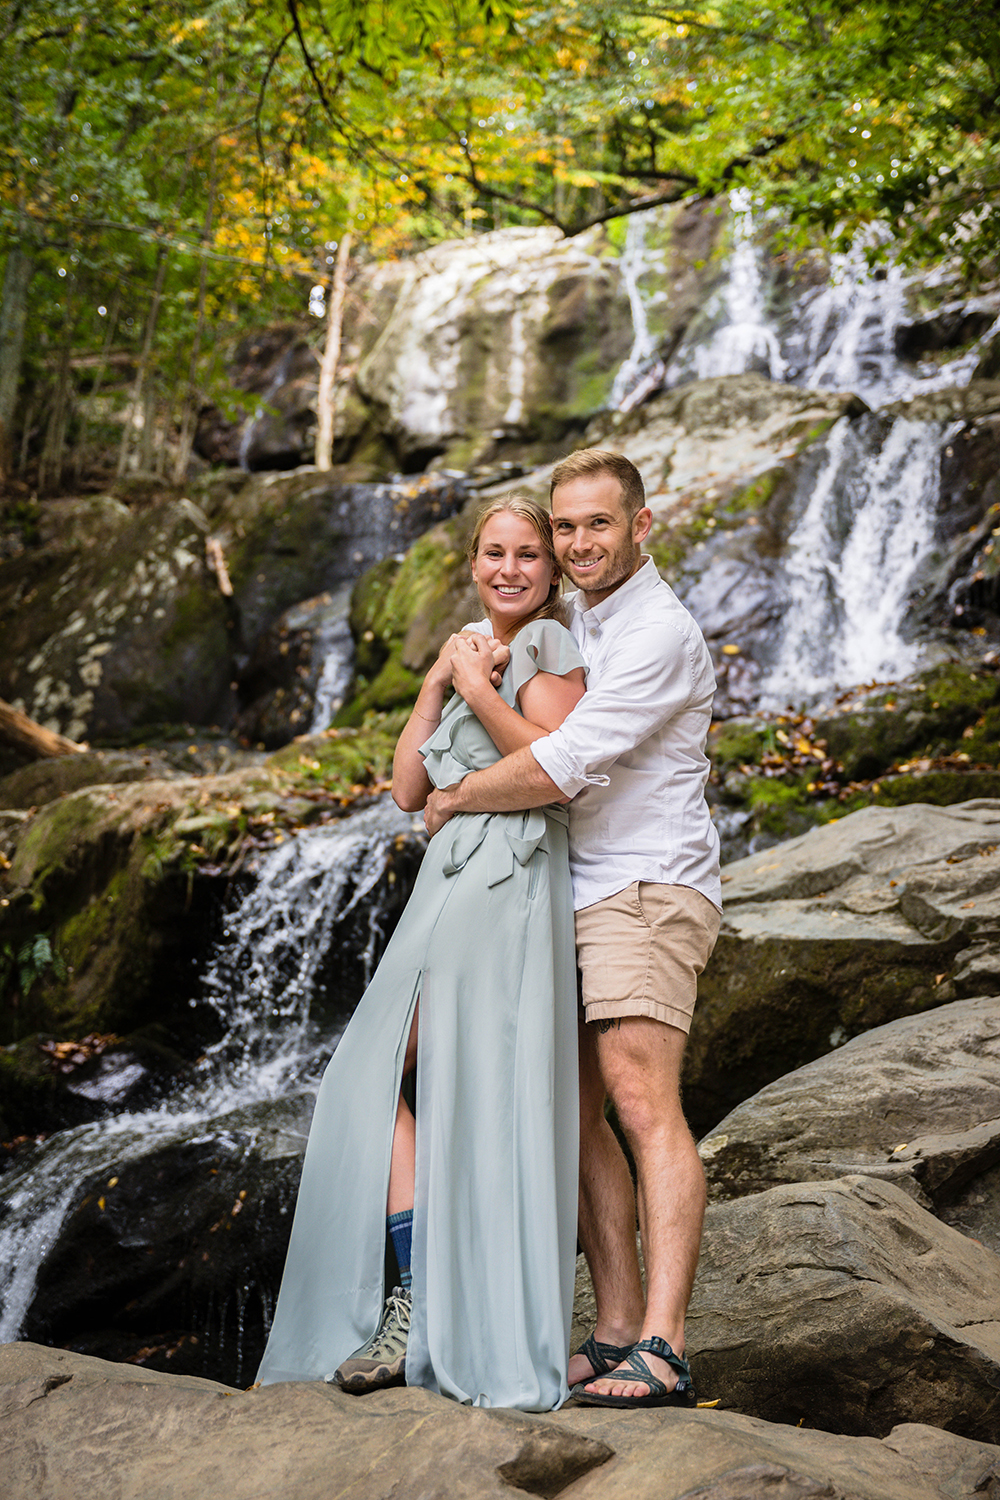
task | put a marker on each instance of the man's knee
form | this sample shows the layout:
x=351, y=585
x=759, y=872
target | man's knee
x=640, y=1063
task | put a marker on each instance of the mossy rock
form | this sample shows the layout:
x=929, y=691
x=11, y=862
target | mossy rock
x=941, y=788
x=43, y=781
x=125, y=881
x=401, y=613
x=926, y=715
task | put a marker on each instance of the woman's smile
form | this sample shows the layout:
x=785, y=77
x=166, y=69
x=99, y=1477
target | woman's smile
x=512, y=573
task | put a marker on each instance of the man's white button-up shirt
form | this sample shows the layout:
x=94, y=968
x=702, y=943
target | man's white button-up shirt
x=632, y=752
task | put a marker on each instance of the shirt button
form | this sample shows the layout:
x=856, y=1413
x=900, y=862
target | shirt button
x=592, y=631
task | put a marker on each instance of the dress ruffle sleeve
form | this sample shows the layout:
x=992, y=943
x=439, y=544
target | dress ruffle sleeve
x=460, y=744
x=542, y=646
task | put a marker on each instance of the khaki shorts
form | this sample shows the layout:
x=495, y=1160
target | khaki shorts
x=640, y=952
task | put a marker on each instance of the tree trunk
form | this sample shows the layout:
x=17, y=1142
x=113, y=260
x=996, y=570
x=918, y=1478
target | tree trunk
x=101, y=372
x=18, y=272
x=50, y=465
x=30, y=738
x=145, y=363
x=326, y=403
x=189, y=414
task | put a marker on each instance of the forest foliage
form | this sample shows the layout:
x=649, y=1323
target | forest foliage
x=171, y=173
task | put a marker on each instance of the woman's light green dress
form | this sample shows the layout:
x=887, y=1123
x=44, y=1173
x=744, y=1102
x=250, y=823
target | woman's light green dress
x=486, y=942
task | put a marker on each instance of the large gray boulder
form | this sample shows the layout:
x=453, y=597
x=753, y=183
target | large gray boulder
x=70, y=1425
x=915, y=1102
x=887, y=912
x=846, y=1306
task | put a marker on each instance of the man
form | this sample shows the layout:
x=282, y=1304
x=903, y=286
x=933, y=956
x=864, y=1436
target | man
x=645, y=865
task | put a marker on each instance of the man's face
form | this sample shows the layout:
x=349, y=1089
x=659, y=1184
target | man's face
x=595, y=545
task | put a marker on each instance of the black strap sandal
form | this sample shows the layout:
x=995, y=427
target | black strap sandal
x=636, y=1368
x=602, y=1358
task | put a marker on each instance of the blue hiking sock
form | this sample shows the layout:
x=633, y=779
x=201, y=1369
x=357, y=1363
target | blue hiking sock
x=401, y=1230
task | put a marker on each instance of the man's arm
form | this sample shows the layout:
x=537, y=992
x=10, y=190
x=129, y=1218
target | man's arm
x=512, y=784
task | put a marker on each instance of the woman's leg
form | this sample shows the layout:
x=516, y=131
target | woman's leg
x=401, y=1169
x=382, y=1361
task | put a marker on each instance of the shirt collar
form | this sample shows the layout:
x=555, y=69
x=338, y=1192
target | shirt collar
x=643, y=579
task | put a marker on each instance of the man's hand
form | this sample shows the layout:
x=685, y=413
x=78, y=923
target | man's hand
x=439, y=808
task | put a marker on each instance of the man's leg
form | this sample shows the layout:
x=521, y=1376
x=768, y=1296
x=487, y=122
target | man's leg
x=640, y=1061
x=607, y=1217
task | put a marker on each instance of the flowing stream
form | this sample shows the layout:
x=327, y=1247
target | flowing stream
x=262, y=981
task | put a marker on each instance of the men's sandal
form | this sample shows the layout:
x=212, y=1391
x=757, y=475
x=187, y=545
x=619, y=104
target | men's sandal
x=602, y=1358
x=636, y=1369
x=382, y=1361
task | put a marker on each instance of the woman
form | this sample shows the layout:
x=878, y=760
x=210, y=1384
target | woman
x=489, y=1166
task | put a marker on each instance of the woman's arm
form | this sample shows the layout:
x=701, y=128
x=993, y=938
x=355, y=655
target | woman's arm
x=545, y=699
x=411, y=786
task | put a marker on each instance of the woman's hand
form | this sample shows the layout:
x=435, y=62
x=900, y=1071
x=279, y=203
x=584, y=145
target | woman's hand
x=440, y=673
x=472, y=667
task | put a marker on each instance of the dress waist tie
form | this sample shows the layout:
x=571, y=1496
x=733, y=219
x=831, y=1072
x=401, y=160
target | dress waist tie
x=508, y=836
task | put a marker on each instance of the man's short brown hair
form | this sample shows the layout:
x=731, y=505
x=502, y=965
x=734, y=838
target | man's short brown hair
x=587, y=463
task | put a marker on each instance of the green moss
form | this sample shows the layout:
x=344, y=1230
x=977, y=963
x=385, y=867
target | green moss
x=65, y=825
x=782, y=808
x=341, y=762
x=941, y=788
x=737, y=742
x=925, y=717
x=755, y=495
x=805, y=434
x=394, y=686
x=93, y=926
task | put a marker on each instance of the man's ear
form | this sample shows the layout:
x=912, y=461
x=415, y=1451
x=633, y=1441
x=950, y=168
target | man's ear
x=642, y=525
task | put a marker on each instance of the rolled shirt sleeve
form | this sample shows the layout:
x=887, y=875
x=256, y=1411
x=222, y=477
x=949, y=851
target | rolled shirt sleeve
x=651, y=678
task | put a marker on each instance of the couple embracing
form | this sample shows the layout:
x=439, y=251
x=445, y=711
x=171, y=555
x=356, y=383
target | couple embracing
x=563, y=786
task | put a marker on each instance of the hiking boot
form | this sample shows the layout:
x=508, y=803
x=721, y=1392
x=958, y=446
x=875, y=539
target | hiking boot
x=382, y=1361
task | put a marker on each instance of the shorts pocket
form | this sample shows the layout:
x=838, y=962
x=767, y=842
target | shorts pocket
x=636, y=892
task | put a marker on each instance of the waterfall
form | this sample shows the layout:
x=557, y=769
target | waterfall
x=636, y=261
x=742, y=335
x=261, y=980
x=333, y=646
x=867, y=523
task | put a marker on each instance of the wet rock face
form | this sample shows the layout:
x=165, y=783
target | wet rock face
x=477, y=349
x=882, y=914
x=107, y=633
x=496, y=337
x=279, y=370
x=183, y=1251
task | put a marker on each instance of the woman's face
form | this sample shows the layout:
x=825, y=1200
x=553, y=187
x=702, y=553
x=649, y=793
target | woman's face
x=512, y=571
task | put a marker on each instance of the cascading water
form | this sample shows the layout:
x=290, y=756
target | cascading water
x=867, y=516
x=334, y=647
x=742, y=336
x=868, y=521
x=637, y=261
x=262, y=981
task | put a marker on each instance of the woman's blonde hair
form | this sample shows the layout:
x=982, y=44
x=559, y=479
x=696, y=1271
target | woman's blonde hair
x=538, y=517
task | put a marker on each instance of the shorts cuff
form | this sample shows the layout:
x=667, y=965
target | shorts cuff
x=615, y=1010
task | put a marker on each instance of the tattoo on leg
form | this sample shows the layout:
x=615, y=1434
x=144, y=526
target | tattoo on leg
x=608, y=1023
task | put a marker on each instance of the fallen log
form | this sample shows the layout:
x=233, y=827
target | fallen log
x=29, y=738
